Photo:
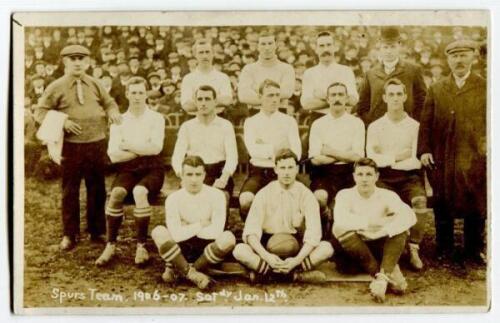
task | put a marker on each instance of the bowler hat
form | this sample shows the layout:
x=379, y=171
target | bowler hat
x=390, y=34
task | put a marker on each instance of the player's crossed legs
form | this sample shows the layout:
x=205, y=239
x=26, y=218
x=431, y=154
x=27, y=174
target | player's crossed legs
x=201, y=252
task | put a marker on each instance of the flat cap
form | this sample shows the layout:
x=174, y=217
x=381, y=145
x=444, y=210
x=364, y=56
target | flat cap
x=75, y=50
x=167, y=82
x=154, y=74
x=390, y=34
x=460, y=46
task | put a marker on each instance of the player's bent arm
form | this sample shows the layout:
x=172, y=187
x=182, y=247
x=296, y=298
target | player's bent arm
x=345, y=220
x=117, y=155
x=322, y=160
x=217, y=220
x=404, y=217
x=254, y=242
x=179, y=231
x=305, y=251
x=288, y=83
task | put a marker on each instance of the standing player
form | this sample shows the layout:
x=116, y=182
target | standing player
x=452, y=145
x=85, y=104
x=370, y=221
x=210, y=137
x=371, y=106
x=317, y=79
x=205, y=74
x=336, y=141
x=195, y=217
x=392, y=144
x=268, y=66
x=285, y=207
x=266, y=133
x=135, y=146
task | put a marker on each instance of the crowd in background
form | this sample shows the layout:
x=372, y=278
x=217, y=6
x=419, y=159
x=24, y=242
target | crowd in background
x=163, y=55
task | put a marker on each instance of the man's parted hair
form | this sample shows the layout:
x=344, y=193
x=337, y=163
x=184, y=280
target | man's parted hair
x=324, y=33
x=394, y=81
x=193, y=161
x=366, y=162
x=267, y=33
x=336, y=84
x=206, y=88
x=137, y=80
x=285, y=153
x=268, y=83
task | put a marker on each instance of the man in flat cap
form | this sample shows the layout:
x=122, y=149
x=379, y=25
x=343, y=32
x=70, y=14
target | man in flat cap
x=371, y=106
x=85, y=105
x=452, y=145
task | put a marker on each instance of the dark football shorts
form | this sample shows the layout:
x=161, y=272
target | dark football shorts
x=407, y=184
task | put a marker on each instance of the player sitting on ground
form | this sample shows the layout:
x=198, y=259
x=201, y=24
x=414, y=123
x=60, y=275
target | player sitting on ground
x=371, y=220
x=135, y=146
x=283, y=213
x=392, y=144
x=195, y=217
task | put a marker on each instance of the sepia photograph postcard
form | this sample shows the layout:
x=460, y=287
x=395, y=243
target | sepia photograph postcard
x=238, y=162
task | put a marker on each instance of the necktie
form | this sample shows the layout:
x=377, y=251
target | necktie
x=79, y=91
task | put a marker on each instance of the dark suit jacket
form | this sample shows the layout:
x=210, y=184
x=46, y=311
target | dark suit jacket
x=371, y=106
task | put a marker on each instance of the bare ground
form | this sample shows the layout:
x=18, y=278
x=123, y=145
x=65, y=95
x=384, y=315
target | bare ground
x=55, y=279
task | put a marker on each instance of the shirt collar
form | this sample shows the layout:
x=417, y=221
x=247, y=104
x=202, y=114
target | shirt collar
x=72, y=79
x=390, y=65
x=461, y=80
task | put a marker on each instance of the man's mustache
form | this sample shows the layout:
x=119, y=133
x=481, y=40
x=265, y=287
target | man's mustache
x=326, y=53
x=337, y=103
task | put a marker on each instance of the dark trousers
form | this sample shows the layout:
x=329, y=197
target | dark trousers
x=367, y=253
x=83, y=161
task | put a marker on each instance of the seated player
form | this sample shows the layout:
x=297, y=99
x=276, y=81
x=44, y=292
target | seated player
x=336, y=141
x=264, y=134
x=135, y=146
x=283, y=213
x=210, y=137
x=372, y=224
x=392, y=144
x=195, y=217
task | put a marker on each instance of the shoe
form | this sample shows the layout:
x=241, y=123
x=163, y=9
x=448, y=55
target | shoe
x=141, y=254
x=199, y=279
x=310, y=277
x=169, y=275
x=67, y=243
x=106, y=255
x=397, y=282
x=415, y=260
x=378, y=286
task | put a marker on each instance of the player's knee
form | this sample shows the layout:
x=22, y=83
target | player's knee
x=140, y=194
x=226, y=241
x=419, y=204
x=241, y=251
x=325, y=249
x=246, y=199
x=321, y=197
x=117, y=195
x=160, y=235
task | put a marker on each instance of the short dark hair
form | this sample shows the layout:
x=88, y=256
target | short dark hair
x=268, y=83
x=324, y=33
x=267, y=33
x=193, y=161
x=394, y=81
x=206, y=88
x=336, y=84
x=285, y=153
x=202, y=41
x=137, y=80
x=366, y=162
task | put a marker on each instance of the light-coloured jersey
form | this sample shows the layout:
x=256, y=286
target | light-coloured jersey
x=145, y=132
x=278, y=210
x=185, y=212
x=383, y=209
x=346, y=133
x=214, y=143
x=392, y=138
x=265, y=135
